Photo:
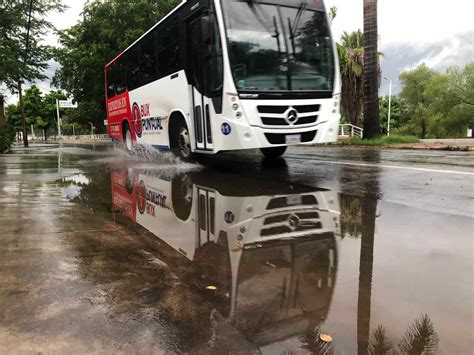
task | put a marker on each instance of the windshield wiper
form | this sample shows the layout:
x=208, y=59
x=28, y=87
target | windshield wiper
x=277, y=34
x=296, y=24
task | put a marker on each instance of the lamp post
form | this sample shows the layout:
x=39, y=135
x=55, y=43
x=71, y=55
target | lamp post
x=389, y=105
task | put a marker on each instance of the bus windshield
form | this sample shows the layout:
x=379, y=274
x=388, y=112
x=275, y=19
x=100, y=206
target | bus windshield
x=278, y=48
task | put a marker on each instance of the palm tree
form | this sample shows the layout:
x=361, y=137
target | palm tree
x=371, y=76
x=351, y=58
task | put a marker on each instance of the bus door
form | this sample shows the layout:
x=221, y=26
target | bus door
x=206, y=217
x=198, y=35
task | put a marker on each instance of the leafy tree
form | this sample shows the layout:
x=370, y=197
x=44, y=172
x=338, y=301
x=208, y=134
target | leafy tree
x=415, y=103
x=371, y=71
x=33, y=105
x=40, y=110
x=23, y=56
x=107, y=28
x=461, y=84
x=435, y=104
x=351, y=59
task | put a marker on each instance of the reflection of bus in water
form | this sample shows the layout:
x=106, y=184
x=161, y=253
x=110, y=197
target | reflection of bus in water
x=266, y=252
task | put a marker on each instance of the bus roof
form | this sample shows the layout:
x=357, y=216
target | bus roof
x=143, y=35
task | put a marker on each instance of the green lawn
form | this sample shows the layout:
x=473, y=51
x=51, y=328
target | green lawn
x=382, y=141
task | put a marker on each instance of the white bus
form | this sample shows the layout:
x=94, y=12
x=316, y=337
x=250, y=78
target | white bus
x=221, y=75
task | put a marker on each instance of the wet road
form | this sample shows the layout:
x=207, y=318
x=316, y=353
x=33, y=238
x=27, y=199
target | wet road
x=102, y=252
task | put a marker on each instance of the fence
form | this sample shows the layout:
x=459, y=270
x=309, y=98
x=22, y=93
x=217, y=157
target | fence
x=350, y=131
x=87, y=138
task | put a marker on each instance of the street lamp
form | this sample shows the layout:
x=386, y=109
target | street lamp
x=389, y=105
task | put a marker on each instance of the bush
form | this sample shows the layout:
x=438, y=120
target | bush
x=7, y=137
x=383, y=141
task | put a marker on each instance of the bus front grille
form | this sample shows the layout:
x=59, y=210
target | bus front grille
x=290, y=223
x=280, y=115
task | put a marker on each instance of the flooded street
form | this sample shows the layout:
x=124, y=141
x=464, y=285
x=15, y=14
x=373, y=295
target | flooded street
x=101, y=252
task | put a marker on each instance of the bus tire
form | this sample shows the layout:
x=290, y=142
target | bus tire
x=182, y=196
x=180, y=139
x=127, y=137
x=273, y=152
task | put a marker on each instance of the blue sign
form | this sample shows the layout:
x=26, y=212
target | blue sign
x=226, y=129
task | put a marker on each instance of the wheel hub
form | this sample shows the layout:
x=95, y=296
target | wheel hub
x=184, y=142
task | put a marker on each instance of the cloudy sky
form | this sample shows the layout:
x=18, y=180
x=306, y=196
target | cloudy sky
x=436, y=32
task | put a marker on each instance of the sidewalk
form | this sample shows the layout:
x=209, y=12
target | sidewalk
x=465, y=145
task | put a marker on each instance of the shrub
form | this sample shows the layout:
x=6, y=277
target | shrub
x=383, y=141
x=7, y=137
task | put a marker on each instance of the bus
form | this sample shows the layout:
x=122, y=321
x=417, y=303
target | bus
x=223, y=75
x=265, y=251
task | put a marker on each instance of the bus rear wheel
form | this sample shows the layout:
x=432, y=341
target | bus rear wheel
x=274, y=152
x=127, y=138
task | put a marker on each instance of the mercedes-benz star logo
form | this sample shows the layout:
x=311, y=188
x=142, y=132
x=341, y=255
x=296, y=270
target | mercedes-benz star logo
x=294, y=222
x=292, y=116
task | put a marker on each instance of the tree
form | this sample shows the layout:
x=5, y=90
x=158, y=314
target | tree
x=33, y=106
x=106, y=29
x=415, y=104
x=371, y=76
x=351, y=59
x=23, y=57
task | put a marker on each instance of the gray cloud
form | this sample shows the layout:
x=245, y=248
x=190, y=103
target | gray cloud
x=457, y=50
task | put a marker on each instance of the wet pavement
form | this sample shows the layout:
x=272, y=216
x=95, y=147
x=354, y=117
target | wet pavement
x=103, y=252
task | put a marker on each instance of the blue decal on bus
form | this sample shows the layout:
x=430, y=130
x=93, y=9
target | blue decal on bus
x=229, y=217
x=226, y=129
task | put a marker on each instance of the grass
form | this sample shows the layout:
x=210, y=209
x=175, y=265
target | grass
x=381, y=141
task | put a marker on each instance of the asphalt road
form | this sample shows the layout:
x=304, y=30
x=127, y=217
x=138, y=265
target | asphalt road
x=105, y=252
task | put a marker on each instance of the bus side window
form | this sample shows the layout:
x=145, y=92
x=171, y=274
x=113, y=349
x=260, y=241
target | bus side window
x=120, y=77
x=110, y=82
x=133, y=69
x=168, y=48
x=148, y=65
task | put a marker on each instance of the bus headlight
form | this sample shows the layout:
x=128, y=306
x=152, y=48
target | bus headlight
x=337, y=103
x=235, y=106
x=238, y=114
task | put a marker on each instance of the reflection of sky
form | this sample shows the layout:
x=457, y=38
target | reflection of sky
x=76, y=182
x=263, y=40
x=72, y=191
x=78, y=179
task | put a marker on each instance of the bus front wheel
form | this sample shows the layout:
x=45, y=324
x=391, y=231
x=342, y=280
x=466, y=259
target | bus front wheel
x=181, y=140
x=274, y=152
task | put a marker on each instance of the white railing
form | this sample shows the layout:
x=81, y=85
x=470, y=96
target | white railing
x=87, y=137
x=350, y=131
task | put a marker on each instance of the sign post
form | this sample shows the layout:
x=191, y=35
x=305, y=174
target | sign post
x=63, y=104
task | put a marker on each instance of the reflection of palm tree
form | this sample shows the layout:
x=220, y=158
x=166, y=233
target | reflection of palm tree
x=379, y=343
x=420, y=338
x=369, y=213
